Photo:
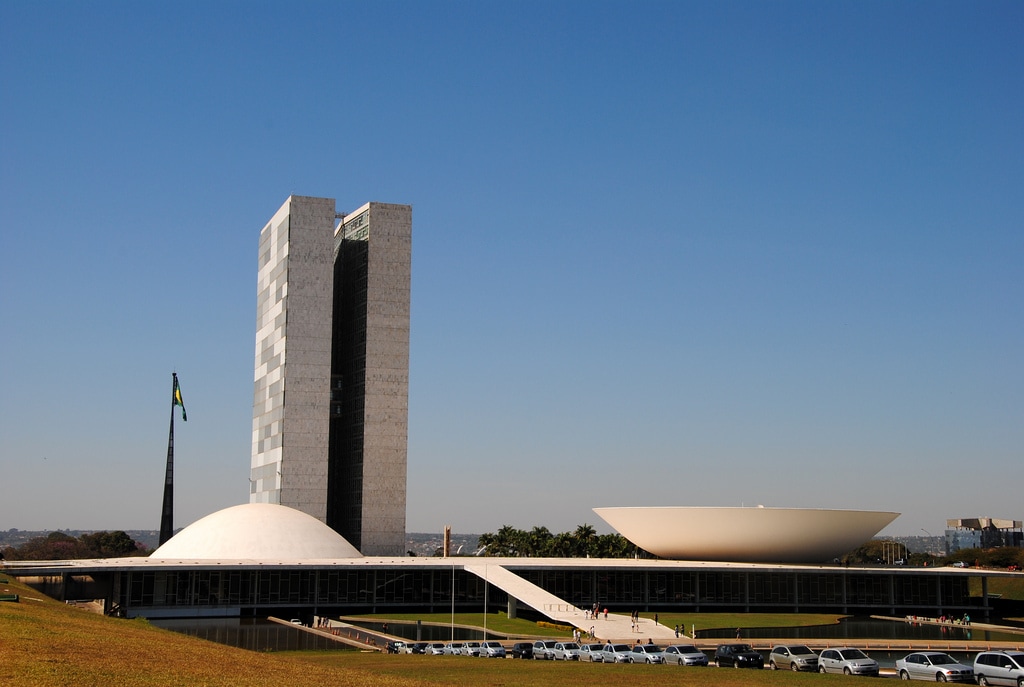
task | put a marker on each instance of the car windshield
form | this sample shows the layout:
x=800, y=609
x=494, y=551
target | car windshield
x=849, y=654
x=800, y=650
x=740, y=647
x=1018, y=658
x=571, y=645
x=940, y=659
x=620, y=647
x=687, y=649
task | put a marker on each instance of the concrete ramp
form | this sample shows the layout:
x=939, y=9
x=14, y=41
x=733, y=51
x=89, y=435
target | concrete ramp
x=615, y=627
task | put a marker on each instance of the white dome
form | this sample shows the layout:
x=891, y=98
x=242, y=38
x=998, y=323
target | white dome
x=747, y=535
x=257, y=531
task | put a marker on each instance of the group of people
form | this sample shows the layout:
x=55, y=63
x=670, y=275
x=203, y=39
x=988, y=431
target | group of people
x=594, y=613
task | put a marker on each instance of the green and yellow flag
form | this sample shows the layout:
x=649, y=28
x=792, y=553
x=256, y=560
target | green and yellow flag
x=177, y=397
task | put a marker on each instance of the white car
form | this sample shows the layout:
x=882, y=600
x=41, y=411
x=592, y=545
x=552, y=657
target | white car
x=934, y=666
x=470, y=649
x=566, y=651
x=685, y=655
x=492, y=650
x=435, y=649
x=848, y=661
x=453, y=648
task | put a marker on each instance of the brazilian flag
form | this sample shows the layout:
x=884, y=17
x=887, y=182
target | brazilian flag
x=177, y=398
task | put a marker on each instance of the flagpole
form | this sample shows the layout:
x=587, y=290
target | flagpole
x=167, y=517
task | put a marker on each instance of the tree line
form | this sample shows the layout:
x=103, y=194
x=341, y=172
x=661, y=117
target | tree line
x=58, y=546
x=540, y=542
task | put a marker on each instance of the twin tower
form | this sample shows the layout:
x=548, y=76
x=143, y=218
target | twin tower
x=331, y=398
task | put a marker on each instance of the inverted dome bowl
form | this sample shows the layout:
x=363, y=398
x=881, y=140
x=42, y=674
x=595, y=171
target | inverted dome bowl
x=747, y=535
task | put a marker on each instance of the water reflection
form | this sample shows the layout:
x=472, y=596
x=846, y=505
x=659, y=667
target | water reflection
x=249, y=633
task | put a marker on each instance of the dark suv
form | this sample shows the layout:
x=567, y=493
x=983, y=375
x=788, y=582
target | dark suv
x=738, y=656
x=522, y=650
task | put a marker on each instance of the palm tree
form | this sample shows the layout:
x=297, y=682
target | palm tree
x=584, y=537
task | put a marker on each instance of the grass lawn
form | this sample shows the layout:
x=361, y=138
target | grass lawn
x=1008, y=587
x=44, y=643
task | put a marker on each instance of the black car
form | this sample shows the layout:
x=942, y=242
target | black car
x=522, y=650
x=418, y=648
x=738, y=656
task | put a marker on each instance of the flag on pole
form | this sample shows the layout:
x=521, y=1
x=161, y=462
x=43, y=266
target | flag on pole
x=177, y=398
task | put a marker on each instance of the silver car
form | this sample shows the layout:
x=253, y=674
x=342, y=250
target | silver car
x=470, y=649
x=646, y=653
x=685, y=655
x=566, y=651
x=848, y=661
x=999, y=668
x=934, y=666
x=544, y=650
x=492, y=650
x=616, y=653
x=591, y=653
x=793, y=657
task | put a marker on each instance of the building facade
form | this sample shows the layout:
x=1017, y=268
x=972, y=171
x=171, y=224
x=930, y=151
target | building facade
x=982, y=533
x=330, y=407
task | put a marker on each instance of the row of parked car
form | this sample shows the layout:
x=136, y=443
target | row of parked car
x=990, y=667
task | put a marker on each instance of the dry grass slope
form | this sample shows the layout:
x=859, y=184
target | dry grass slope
x=44, y=643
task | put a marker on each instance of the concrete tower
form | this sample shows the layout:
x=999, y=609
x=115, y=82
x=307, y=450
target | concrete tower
x=330, y=409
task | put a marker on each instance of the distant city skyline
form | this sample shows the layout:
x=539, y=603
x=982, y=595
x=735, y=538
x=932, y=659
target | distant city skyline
x=701, y=254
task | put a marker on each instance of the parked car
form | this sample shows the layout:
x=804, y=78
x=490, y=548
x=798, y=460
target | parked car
x=470, y=649
x=591, y=652
x=453, y=648
x=958, y=564
x=522, y=650
x=738, y=656
x=566, y=651
x=793, y=657
x=492, y=650
x=616, y=653
x=418, y=648
x=435, y=649
x=934, y=666
x=646, y=653
x=544, y=650
x=847, y=660
x=394, y=647
x=685, y=655
x=999, y=668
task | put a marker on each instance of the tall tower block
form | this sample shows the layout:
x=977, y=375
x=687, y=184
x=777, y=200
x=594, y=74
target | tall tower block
x=330, y=409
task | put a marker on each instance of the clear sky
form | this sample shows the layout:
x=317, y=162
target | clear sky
x=664, y=253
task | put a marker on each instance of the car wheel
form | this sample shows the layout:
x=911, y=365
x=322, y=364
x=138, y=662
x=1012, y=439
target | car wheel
x=735, y=664
x=904, y=675
x=821, y=669
x=846, y=671
x=793, y=667
x=718, y=664
x=983, y=681
x=771, y=664
x=939, y=677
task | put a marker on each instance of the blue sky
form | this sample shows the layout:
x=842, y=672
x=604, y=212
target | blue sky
x=665, y=253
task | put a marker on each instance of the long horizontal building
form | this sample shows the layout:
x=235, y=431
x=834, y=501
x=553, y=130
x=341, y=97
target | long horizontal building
x=209, y=588
x=265, y=559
